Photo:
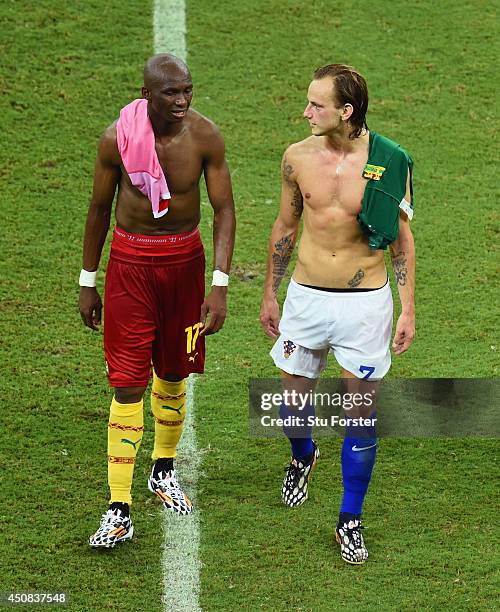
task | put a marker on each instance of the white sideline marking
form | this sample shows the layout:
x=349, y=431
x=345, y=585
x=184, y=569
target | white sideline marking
x=169, y=25
x=181, y=562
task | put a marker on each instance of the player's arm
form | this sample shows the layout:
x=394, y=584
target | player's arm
x=402, y=252
x=220, y=194
x=106, y=178
x=282, y=242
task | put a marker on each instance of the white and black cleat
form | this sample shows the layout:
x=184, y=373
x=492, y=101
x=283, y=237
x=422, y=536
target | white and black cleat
x=115, y=527
x=165, y=486
x=296, y=482
x=352, y=545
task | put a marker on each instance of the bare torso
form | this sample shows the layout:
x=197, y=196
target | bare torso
x=333, y=251
x=182, y=159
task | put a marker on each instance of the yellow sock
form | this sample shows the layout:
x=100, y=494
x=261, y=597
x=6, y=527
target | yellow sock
x=125, y=431
x=168, y=405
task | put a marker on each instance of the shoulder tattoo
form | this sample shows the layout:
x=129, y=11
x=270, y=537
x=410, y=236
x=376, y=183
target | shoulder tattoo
x=287, y=171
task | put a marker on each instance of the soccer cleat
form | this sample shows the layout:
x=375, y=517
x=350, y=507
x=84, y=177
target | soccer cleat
x=115, y=527
x=296, y=481
x=352, y=545
x=166, y=487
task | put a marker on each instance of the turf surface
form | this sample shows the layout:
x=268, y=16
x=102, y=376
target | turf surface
x=66, y=72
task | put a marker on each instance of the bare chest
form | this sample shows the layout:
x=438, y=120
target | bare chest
x=333, y=186
x=182, y=163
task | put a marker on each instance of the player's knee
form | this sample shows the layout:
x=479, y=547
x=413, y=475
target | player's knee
x=129, y=395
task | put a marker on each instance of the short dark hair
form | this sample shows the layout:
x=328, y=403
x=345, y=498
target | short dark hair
x=349, y=88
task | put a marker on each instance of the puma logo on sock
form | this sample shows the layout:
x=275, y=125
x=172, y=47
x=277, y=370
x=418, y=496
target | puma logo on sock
x=178, y=410
x=134, y=444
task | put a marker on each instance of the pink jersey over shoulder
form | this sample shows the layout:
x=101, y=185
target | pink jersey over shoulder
x=136, y=144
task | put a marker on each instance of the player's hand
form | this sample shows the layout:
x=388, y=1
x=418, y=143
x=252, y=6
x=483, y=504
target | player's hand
x=405, y=332
x=90, y=307
x=215, y=306
x=270, y=316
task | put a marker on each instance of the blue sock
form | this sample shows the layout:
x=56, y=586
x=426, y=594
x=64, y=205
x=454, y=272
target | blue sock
x=358, y=459
x=300, y=436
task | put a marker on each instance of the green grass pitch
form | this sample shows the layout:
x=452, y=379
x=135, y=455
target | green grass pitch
x=66, y=71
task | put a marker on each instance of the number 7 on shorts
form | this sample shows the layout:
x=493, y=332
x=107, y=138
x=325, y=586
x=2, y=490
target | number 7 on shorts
x=368, y=369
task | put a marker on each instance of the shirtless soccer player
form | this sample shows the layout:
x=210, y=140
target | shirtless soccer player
x=155, y=309
x=339, y=298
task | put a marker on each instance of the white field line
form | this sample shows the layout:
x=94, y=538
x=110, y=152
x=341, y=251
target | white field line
x=181, y=562
x=169, y=25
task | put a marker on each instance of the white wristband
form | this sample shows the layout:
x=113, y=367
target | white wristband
x=220, y=279
x=87, y=279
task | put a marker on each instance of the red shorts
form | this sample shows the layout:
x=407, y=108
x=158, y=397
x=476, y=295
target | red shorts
x=155, y=286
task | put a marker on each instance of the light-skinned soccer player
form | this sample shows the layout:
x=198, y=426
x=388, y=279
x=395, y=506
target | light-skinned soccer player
x=338, y=181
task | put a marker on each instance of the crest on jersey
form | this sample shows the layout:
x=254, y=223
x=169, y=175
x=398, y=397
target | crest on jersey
x=373, y=172
x=289, y=349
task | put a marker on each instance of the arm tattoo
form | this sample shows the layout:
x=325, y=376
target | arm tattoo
x=297, y=201
x=400, y=265
x=282, y=254
x=356, y=279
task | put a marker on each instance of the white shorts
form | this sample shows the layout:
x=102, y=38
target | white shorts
x=356, y=326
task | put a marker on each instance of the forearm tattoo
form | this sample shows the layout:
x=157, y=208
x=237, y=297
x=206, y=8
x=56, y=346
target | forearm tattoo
x=282, y=254
x=400, y=265
x=297, y=200
x=356, y=279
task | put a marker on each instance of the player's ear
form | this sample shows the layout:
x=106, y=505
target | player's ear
x=146, y=93
x=347, y=112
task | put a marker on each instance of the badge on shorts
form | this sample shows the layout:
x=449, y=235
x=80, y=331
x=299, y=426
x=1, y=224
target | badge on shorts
x=289, y=349
x=373, y=172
